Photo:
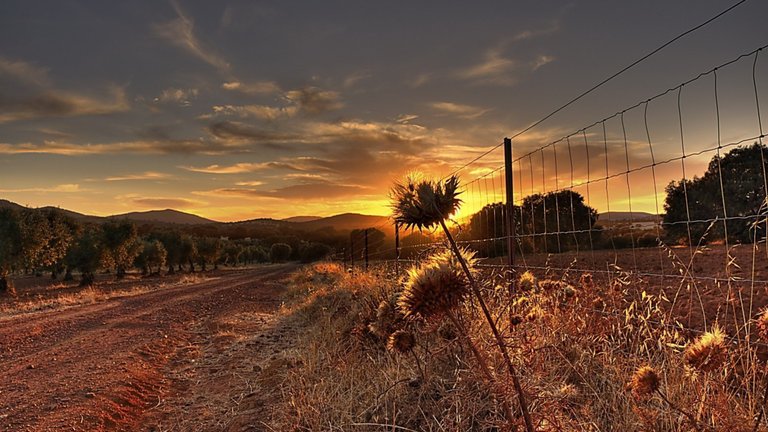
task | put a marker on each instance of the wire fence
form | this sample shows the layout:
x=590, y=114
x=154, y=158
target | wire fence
x=670, y=190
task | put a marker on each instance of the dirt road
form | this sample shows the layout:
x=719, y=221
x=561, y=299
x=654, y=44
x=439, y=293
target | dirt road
x=193, y=357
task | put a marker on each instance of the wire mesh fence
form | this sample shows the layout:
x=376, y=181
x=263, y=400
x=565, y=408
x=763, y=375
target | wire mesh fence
x=668, y=194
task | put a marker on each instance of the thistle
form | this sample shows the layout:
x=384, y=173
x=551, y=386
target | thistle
x=587, y=282
x=436, y=286
x=424, y=203
x=645, y=381
x=401, y=341
x=708, y=352
x=527, y=282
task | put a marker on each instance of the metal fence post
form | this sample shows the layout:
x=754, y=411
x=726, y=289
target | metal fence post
x=510, y=208
x=366, y=248
x=352, y=249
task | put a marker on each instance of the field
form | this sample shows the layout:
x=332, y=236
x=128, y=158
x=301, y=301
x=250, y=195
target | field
x=283, y=347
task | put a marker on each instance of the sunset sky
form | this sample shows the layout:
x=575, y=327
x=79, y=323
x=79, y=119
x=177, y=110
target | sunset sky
x=234, y=110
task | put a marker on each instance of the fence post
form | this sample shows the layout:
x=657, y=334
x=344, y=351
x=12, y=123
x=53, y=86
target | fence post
x=510, y=207
x=366, y=249
x=397, y=249
x=352, y=249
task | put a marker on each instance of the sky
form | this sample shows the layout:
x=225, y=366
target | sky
x=235, y=110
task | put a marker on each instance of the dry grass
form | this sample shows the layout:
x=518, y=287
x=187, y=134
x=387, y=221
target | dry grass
x=88, y=295
x=577, y=346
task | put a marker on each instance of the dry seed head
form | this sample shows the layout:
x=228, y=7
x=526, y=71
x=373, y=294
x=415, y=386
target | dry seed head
x=527, y=282
x=645, y=381
x=708, y=352
x=401, y=341
x=762, y=325
x=516, y=320
x=586, y=281
x=423, y=203
x=436, y=286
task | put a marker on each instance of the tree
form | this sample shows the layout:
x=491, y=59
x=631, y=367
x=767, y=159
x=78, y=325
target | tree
x=10, y=246
x=121, y=243
x=152, y=256
x=62, y=230
x=86, y=254
x=743, y=191
x=311, y=252
x=209, y=251
x=172, y=243
x=280, y=252
x=188, y=252
x=35, y=235
x=557, y=221
x=488, y=230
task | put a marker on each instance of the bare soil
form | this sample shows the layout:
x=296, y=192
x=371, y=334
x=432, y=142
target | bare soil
x=203, y=356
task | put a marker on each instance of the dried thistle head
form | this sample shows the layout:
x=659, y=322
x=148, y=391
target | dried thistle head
x=401, y=341
x=586, y=281
x=762, y=325
x=435, y=286
x=527, y=281
x=422, y=203
x=645, y=381
x=708, y=352
x=516, y=320
x=386, y=315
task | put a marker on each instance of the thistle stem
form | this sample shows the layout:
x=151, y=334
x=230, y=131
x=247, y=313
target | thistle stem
x=690, y=416
x=499, y=340
x=483, y=365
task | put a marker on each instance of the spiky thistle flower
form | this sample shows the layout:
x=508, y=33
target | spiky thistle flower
x=528, y=281
x=436, y=286
x=645, y=381
x=423, y=203
x=762, y=325
x=708, y=352
x=401, y=341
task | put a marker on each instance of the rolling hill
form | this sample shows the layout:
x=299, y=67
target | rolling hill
x=165, y=216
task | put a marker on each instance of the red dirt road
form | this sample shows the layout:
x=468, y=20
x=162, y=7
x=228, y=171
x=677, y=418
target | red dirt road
x=180, y=358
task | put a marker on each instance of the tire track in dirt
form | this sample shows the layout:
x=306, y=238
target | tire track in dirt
x=103, y=366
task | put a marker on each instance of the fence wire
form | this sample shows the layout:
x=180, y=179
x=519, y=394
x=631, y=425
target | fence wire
x=670, y=190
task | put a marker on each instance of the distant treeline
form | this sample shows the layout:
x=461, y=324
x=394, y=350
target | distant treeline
x=33, y=241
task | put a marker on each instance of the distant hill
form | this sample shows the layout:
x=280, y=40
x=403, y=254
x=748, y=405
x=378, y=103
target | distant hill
x=165, y=216
x=341, y=222
x=627, y=216
x=168, y=216
x=348, y=222
x=300, y=219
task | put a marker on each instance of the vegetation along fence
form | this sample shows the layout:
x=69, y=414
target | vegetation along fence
x=667, y=195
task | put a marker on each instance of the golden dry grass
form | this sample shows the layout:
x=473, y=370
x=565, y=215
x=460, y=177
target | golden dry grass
x=577, y=351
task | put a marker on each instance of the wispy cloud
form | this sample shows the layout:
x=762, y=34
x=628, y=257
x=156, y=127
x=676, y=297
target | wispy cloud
x=25, y=72
x=314, y=100
x=62, y=188
x=148, y=175
x=459, y=110
x=254, y=88
x=240, y=168
x=495, y=68
x=299, y=191
x=177, y=96
x=540, y=61
x=261, y=112
x=51, y=103
x=166, y=202
x=180, y=32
